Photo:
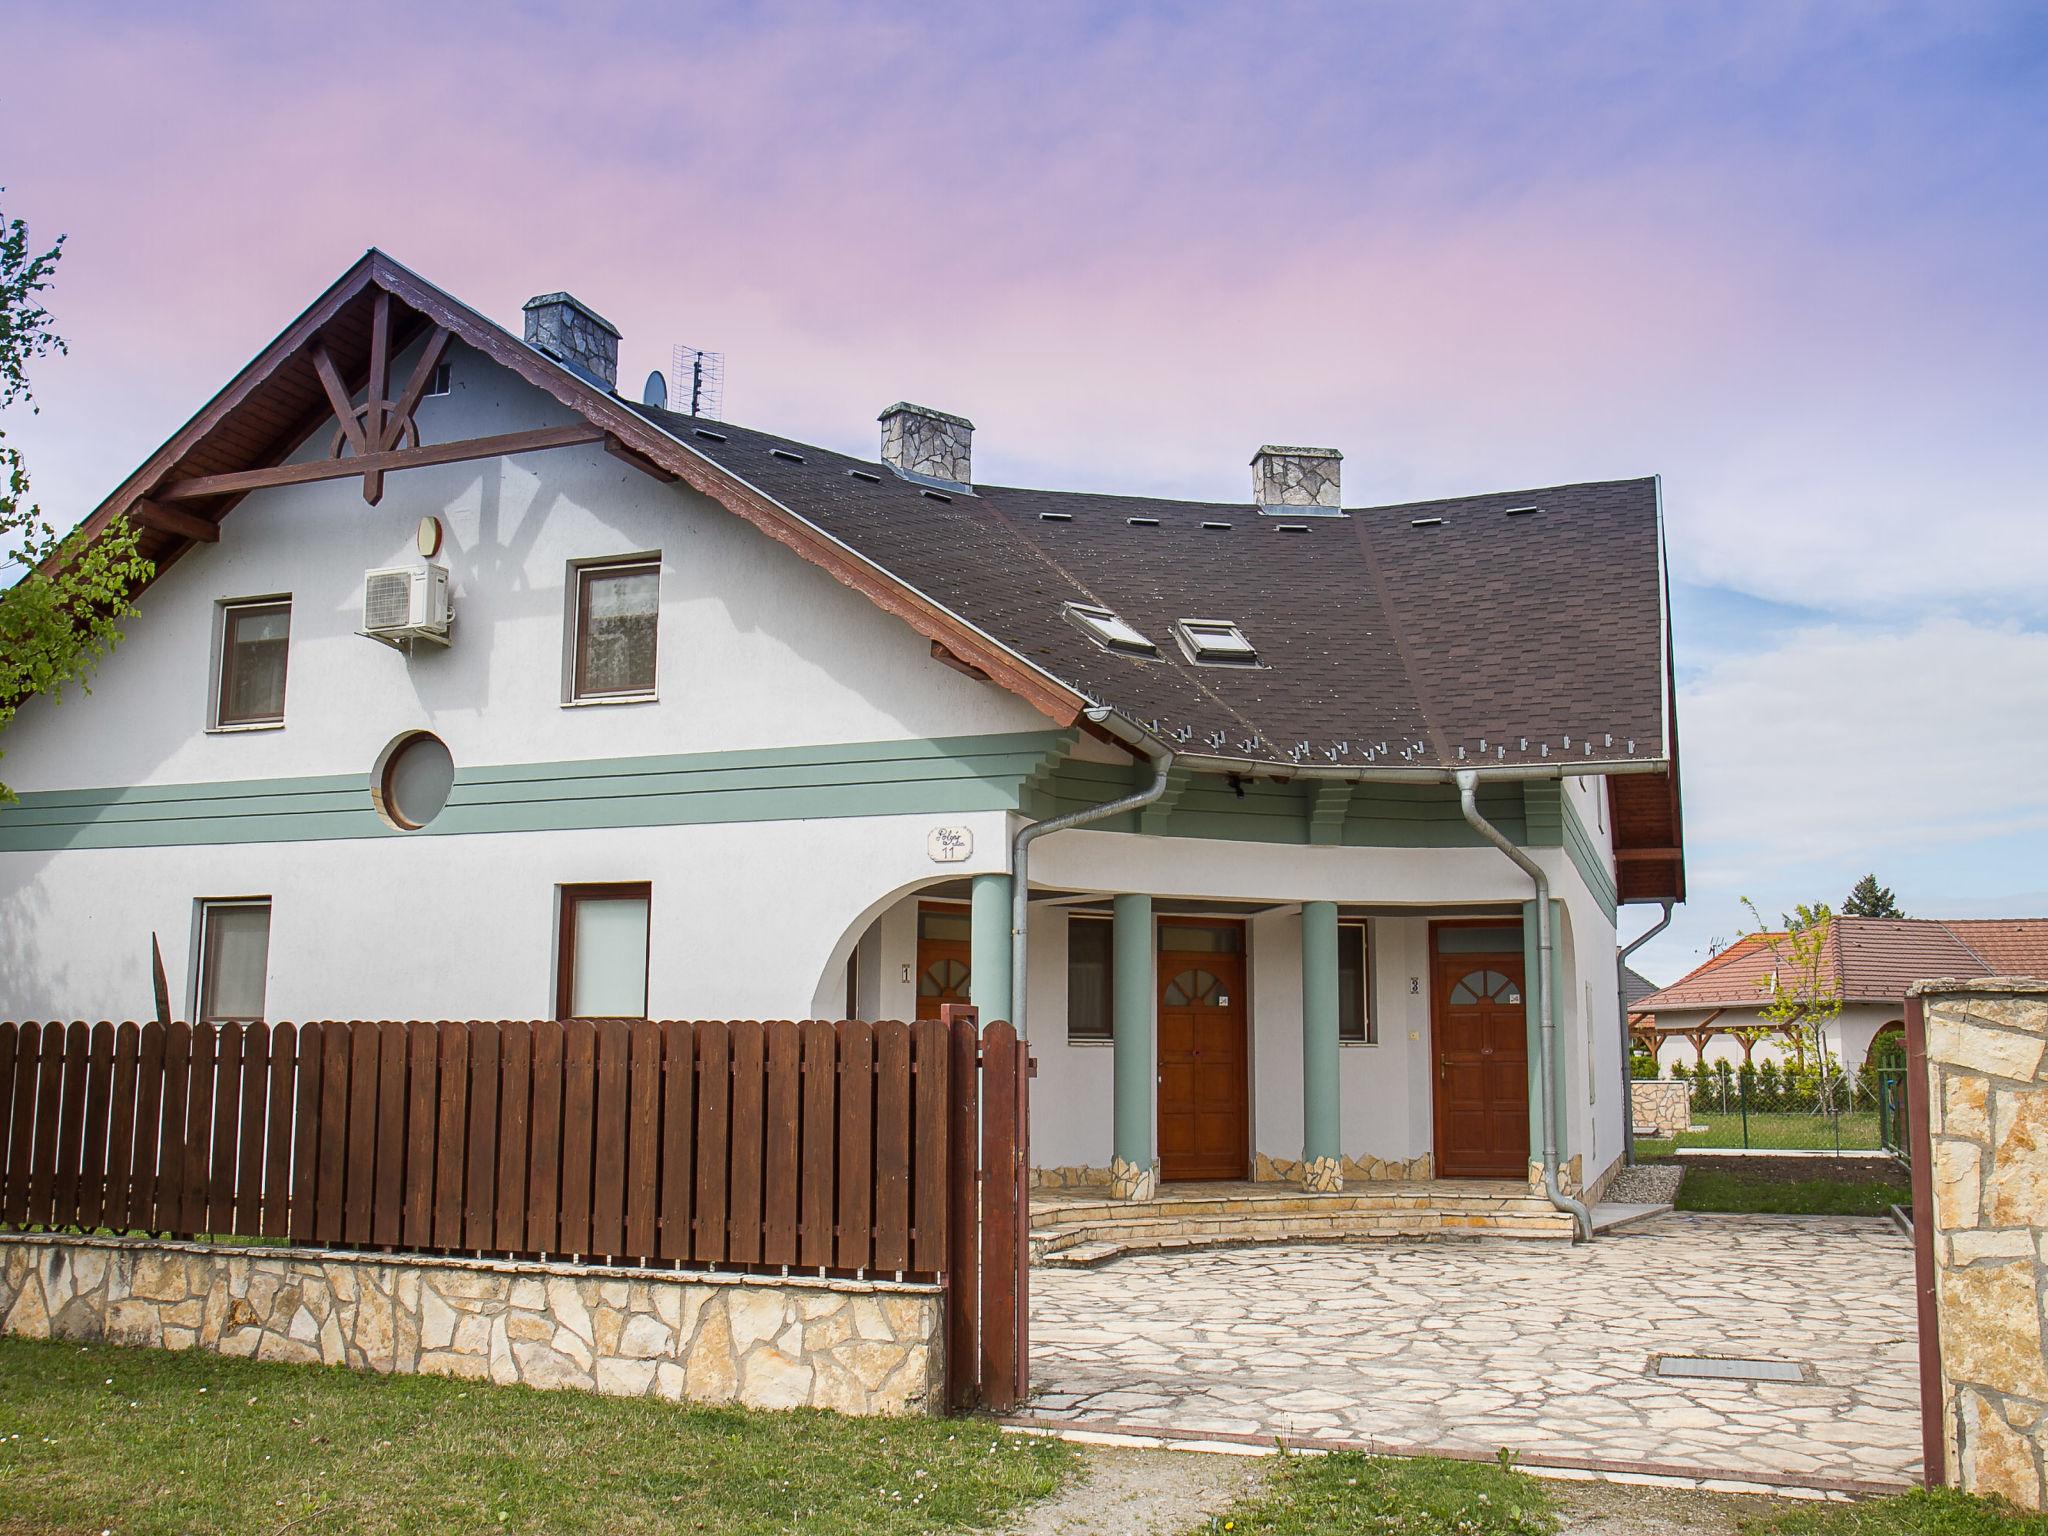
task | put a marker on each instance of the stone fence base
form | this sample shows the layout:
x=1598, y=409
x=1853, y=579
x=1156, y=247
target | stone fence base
x=1660, y=1106
x=859, y=1347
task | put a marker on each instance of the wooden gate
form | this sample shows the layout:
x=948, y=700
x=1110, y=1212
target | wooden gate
x=838, y=1148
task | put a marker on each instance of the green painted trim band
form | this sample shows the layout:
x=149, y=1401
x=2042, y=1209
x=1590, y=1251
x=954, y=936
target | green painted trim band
x=1376, y=816
x=936, y=777
x=1585, y=857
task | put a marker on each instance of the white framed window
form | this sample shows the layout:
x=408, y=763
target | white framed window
x=252, y=646
x=234, y=960
x=614, y=623
x=1215, y=643
x=1109, y=631
x=1355, y=1023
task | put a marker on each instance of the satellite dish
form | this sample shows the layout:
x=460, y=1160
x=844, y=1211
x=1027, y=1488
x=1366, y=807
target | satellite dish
x=655, y=391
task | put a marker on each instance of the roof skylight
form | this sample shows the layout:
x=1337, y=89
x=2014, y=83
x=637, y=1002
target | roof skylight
x=1216, y=643
x=1109, y=631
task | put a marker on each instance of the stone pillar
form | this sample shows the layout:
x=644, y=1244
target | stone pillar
x=1986, y=1144
x=1322, y=1133
x=988, y=985
x=1133, y=1167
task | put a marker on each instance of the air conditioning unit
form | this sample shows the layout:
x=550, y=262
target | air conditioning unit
x=407, y=603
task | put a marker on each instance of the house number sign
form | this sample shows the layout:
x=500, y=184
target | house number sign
x=949, y=845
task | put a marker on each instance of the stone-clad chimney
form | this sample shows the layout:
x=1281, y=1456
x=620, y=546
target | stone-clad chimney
x=1296, y=479
x=570, y=331
x=928, y=445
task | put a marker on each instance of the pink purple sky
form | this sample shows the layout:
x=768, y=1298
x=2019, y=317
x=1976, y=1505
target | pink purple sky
x=1788, y=256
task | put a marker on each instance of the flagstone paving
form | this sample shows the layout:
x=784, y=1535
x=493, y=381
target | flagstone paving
x=1475, y=1345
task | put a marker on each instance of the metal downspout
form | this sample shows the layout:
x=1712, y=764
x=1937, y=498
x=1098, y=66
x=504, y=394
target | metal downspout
x=1020, y=854
x=1546, y=1015
x=1628, y=1077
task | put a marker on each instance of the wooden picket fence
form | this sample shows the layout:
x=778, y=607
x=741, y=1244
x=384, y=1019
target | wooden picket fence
x=836, y=1148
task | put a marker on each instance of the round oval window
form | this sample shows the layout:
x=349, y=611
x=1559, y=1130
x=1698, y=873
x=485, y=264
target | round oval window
x=413, y=779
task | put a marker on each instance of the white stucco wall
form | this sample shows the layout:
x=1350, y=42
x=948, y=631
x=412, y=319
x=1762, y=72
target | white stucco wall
x=749, y=920
x=757, y=647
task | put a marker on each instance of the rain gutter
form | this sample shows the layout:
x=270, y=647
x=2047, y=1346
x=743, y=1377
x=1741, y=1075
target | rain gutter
x=1161, y=758
x=1628, y=1076
x=1467, y=780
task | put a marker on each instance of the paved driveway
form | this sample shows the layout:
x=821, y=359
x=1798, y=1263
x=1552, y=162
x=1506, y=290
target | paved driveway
x=1496, y=1342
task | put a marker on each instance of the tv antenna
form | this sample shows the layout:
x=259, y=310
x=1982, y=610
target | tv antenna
x=697, y=383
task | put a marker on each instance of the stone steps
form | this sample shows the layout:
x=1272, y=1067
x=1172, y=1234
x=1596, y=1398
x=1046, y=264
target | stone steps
x=1070, y=1233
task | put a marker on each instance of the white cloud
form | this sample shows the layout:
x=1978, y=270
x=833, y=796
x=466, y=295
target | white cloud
x=1916, y=753
x=1840, y=742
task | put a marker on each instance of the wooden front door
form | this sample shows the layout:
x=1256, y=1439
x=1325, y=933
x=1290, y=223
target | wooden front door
x=1480, y=1026
x=1204, y=1057
x=945, y=958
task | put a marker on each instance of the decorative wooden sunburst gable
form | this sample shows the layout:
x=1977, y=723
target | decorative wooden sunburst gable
x=378, y=436
x=380, y=424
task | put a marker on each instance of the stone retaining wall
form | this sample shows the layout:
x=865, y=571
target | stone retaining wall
x=1987, y=1089
x=866, y=1348
x=1355, y=1170
x=1660, y=1106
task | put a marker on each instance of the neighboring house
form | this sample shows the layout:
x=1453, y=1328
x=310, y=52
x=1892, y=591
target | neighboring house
x=1714, y=1012
x=727, y=725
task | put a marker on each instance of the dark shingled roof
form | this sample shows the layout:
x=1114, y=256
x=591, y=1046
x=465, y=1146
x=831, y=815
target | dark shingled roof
x=1635, y=986
x=1475, y=639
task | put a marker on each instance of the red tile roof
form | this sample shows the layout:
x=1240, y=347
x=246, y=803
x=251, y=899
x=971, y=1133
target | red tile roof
x=1871, y=959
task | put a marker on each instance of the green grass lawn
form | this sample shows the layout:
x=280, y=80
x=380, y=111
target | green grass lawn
x=1786, y=1132
x=1740, y=1190
x=138, y=1441
x=1940, y=1513
x=1349, y=1492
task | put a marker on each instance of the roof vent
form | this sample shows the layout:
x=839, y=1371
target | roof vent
x=1522, y=511
x=571, y=332
x=1109, y=631
x=1215, y=643
x=862, y=474
x=1297, y=480
x=784, y=453
x=928, y=446
x=1142, y=522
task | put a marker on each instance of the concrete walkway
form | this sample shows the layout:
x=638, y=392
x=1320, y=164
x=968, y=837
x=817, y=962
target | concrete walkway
x=1473, y=1345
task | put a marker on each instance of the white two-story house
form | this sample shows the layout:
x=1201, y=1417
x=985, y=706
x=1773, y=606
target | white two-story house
x=469, y=688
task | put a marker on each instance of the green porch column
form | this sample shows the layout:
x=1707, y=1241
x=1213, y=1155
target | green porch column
x=988, y=984
x=1322, y=1151
x=1133, y=1170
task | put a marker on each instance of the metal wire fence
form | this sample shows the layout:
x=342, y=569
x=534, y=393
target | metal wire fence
x=1772, y=1108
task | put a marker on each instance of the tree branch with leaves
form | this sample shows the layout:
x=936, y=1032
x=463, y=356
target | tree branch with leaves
x=1802, y=994
x=61, y=614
